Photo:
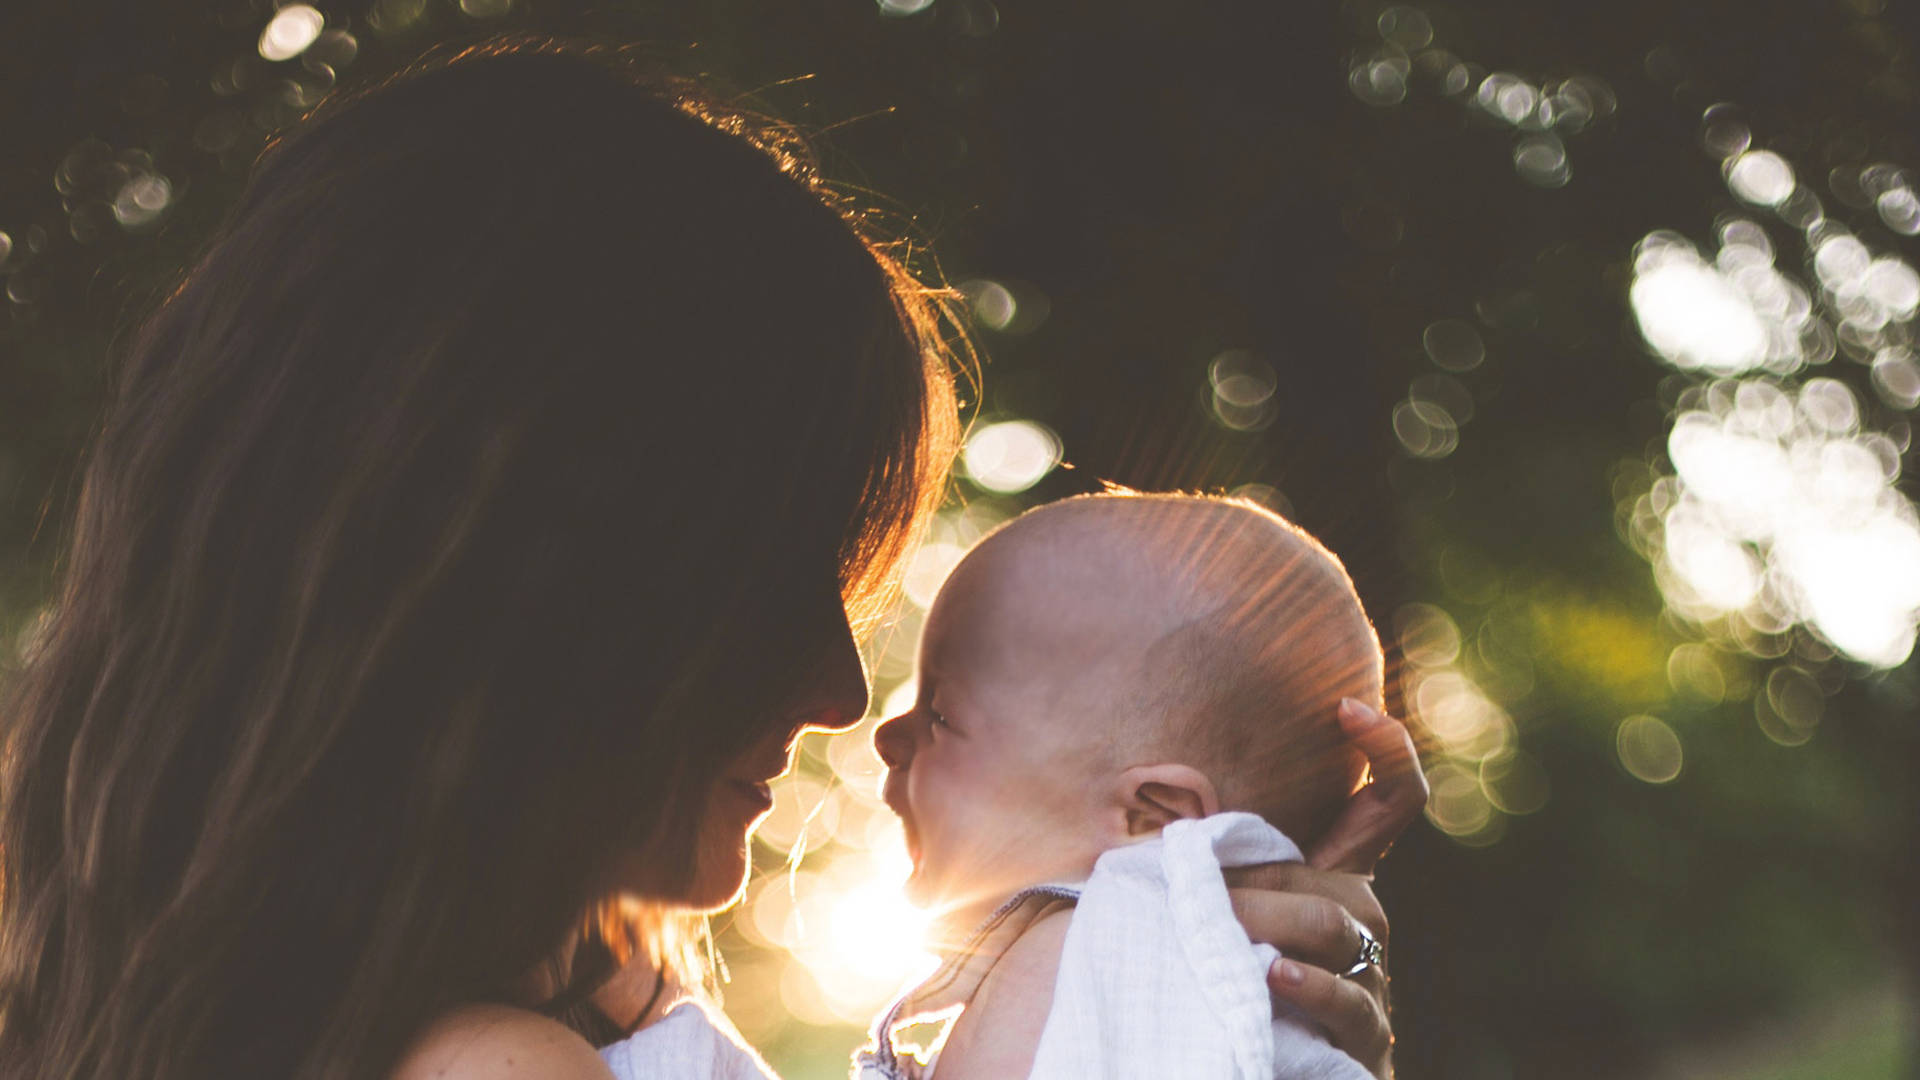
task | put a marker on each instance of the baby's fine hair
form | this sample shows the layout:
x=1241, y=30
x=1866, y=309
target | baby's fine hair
x=1272, y=636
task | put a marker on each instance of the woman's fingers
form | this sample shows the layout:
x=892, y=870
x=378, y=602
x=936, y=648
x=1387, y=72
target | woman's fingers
x=1377, y=813
x=1354, y=892
x=1315, y=928
x=1354, y=1017
x=1309, y=911
x=1310, y=915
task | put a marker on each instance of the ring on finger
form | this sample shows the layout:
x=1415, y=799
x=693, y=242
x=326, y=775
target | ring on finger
x=1370, y=953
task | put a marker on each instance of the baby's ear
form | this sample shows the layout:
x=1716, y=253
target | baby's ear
x=1155, y=796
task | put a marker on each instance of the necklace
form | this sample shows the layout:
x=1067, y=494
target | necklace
x=659, y=986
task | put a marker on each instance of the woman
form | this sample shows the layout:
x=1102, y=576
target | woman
x=470, y=534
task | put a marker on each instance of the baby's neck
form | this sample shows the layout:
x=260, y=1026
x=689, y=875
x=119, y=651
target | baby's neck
x=955, y=919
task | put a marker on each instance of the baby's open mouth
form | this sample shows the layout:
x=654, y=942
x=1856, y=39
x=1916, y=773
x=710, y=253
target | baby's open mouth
x=906, y=828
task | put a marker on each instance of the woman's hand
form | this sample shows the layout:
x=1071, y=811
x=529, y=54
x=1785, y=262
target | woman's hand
x=1314, y=912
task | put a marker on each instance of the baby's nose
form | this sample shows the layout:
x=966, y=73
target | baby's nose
x=894, y=743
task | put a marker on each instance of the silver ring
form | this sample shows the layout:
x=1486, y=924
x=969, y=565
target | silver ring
x=1370, y=953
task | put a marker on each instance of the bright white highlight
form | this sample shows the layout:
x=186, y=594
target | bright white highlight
x=1842, y=262
x=292, y=29
x=1859, y=583
x=1893, y=286
x=1010, y=456
x=1784, y=508
x=1784, y=511
x=1700, y=317
x=1761, y=177
x=849, y=926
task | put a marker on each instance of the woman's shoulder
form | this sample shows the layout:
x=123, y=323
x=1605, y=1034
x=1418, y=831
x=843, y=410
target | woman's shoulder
x=692, y=1039
x=496, y=1042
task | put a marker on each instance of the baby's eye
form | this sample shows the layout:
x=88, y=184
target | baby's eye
x=936, y=719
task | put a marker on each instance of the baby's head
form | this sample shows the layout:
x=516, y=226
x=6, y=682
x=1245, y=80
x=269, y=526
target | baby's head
x=1101, y=666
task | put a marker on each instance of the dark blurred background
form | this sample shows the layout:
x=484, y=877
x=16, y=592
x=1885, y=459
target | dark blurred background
x=1579, y=330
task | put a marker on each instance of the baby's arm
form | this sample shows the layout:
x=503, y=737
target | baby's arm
x=999, y=1033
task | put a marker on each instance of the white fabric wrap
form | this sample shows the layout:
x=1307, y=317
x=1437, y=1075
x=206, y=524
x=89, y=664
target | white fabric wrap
x=689, y=1043
x=1158, y=979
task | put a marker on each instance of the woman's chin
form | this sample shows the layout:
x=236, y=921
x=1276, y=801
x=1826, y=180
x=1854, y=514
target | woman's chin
x=718, y=902
x=720, y=883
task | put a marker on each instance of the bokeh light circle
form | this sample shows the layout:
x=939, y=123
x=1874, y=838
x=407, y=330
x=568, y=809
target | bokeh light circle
x=1515, y=783
x=1761, y=177
x=1899, y=208
x=1457, y=804
x=1649, y=750
x=1380, y=80
x=1896, y=375
x=1425, y=429
x=1541, y=160
x=928, y=571
x=1509, y=97
x=1407, y=27
x=1453, y=344
x=993, y=304
x=1010, y=456
x=142, y=200
x=1724, y=132
x=290, y=31
x=1428, y=636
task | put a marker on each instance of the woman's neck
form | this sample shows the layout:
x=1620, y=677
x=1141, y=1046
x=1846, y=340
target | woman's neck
x=638, y=994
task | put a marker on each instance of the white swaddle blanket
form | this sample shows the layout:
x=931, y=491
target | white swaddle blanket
x=1157, y=978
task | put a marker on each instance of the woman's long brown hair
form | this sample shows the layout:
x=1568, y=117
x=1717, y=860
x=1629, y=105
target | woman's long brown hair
x=451, y=524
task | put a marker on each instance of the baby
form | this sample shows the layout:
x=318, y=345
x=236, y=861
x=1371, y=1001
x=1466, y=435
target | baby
x=1100, y=680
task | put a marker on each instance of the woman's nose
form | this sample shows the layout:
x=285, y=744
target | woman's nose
x=893, y=741
x=845, y=697
x=836, y=697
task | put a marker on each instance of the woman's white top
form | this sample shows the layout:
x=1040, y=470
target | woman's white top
x=691, y=1042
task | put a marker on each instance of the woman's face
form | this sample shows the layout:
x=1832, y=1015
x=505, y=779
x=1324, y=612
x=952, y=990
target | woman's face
x=832, y=696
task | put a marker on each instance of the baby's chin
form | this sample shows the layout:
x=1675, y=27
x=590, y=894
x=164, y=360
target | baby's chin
x=926, y=888
x=954, y=902
x=922, y=890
